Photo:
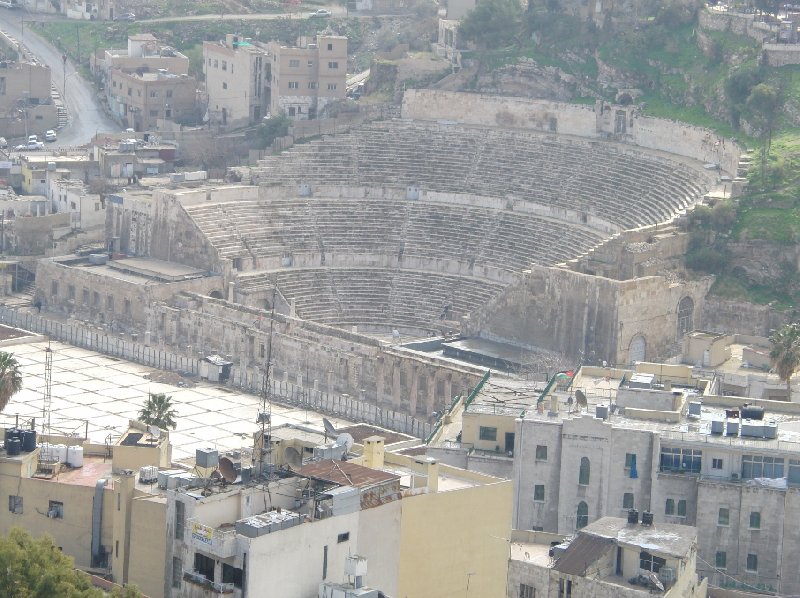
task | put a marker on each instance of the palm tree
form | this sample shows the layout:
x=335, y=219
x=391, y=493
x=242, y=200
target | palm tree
x=785, y=353
x=10, y=378
x=158, y=411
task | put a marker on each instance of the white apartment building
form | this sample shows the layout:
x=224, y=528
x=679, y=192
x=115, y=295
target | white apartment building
x=663, y=442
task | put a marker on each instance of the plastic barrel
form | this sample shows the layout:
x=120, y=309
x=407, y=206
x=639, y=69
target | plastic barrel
x=14, y=447
x=28, y=439
x=10, y=433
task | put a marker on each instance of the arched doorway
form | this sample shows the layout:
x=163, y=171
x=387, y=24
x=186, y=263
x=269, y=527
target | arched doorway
x=582, y=515
x=215, y=294
x=685, y=316
x=637, y=349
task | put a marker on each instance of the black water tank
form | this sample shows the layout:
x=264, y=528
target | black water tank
x=633, y=516
x=752, y=412
x=14, y=447
x=647, y=518
x=10, y=433
x=28, y=440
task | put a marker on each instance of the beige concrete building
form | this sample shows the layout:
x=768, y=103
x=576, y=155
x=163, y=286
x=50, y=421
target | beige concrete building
x=610, y=558
x=140, y=99
x=237, y=74
x=92, y=505
x=26, y=106
x=308, y=76
x=144, y=53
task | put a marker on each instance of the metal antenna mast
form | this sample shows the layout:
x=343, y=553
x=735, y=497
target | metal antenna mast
x=48, y=384
x=265, y=409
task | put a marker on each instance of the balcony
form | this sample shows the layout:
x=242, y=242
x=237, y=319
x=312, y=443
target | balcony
x=217, y=541
x=213, y=587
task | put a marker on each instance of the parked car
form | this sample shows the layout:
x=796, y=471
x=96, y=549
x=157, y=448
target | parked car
x=30, y=146
x=50, y=135
x=321, y=12
x=3, y=143
x=126, y=16
x=33, y=138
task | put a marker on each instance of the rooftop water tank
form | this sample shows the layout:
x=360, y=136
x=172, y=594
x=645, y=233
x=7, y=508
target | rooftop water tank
x=75, y=456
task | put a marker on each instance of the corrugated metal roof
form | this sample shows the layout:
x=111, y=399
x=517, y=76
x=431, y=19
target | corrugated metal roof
x=582, y=552
x=346, y=473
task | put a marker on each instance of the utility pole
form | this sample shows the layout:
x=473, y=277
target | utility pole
x=78, y=33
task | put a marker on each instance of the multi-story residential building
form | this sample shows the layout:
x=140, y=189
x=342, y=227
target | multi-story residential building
x=656, y=439
x=412, y=519
x=611, y=557
x=140, y=99
x=26, y=105
x=143, y=54
x=237, y=81
x=309, y=76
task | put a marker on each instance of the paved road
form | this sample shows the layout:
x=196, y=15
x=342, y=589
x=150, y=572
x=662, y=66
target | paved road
x=337, y=11
x=85, y=110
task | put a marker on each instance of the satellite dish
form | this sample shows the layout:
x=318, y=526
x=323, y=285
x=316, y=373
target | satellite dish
x=154, y=430
x=580, y=399
x=293, y=457
x=328, y=426
x=344, y=439
x=227, y=470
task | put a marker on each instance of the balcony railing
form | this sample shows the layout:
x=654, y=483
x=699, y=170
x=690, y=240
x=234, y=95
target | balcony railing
x=213, y=586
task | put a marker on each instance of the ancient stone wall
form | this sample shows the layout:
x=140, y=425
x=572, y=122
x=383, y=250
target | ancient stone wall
x=726, y=315
x=622, y=123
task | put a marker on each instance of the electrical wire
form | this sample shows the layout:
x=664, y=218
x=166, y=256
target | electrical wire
x=746, y=585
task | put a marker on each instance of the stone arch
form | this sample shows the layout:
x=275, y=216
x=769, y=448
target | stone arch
x=581, y=515
x=685, y=316
x=637, y=349
x=216, y=295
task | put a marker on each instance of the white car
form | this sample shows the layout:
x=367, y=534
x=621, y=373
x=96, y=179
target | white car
x=33, y=138
x=321, y=12
x=50, y=135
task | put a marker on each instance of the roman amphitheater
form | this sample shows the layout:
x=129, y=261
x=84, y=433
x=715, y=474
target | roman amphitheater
x=518, y=225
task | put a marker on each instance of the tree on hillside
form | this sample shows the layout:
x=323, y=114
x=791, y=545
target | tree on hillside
x=10, y=378
x=765, y=103
x=37, y=569
x=492, y=23
x=158, y=411
x=785, y=353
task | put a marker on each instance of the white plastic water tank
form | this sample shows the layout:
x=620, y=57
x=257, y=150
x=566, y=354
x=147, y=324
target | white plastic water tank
x=75, y=456
x=61, y=451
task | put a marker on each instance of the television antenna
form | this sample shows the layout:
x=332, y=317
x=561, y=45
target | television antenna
x=265, y=407
x=45, y=457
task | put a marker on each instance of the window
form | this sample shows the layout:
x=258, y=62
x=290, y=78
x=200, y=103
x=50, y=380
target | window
x=564, y=588
x=85, y=296
x=224, y=85
x=312, y=85
x=96, y=299
x=582, y=515
x=153, y=93
x=224, y=65
x=154, y=113
x=180, y=515
x=167, y=114
x=15, y=504
x=526, y=591
x=680, y=459
x=169, y=93
x=54, y=288
x=294, y=85
x=669, y=507
x=294, y=63
x=584, y=472
x=630, y=459
x=756, y=466
x=292, y=110
x=110, y=302
x=721, y=560
x=130, y=91
x=538, y=493
x=333, y=65
x=755, y=520
x=331, y=86
x=177, y=572
x=716, y=463
x=204, y=565
x=627, y=500
x=752, y=562
x=681, y=508
x=127, y=307
x=724, y=516
x=330, y=47
x=648, y=562
x=55, y=509
x=310, y=64
x=541, y=452
x=216, y=63
x=343, y=537
x=485, y=433
x=71, y=291
x=325, y=562
x=231, y=574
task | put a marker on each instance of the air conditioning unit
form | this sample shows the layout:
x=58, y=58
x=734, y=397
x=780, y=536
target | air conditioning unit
x=734, y=476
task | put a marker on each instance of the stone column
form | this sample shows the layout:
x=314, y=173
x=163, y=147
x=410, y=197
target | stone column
x=431, y=399
x=396, y=390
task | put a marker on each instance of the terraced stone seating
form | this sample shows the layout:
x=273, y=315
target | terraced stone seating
x=623, y=184
x=502, y=239
x=375, y=296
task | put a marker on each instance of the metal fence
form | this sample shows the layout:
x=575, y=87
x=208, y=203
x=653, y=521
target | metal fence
x=247, y=379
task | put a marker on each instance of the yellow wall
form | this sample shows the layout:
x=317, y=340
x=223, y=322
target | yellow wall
x=148, y=549
x=472, y=422
x=445, y=535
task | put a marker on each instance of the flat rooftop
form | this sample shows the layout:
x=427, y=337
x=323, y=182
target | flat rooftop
x=97, y=395
x=667, y=539
x=346, y=473
x=135, y=270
